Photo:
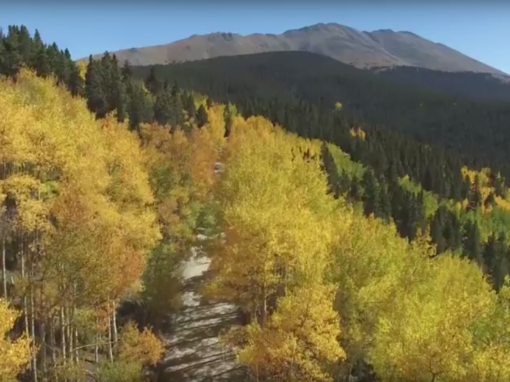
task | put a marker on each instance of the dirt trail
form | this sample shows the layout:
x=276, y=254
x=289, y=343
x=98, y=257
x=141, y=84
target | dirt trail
x=195, y=353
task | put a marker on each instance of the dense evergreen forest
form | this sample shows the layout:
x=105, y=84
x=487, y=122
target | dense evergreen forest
x=299, y=91
x=353, y=246
x=464, y=84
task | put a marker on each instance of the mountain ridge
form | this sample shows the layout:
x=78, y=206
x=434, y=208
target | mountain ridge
x=362, y=49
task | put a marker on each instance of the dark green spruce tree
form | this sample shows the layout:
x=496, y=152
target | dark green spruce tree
x=202, y=117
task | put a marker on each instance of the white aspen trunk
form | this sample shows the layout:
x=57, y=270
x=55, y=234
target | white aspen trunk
x=63, y=334
x=96, y=348
x=44, y=359
x=110, y=348
x=77, y=351
x=74, y=330
x=24, y=301
x=114, y=325
x=32, y=329
x=69, y=335
x=52, y=341
x=4, y=269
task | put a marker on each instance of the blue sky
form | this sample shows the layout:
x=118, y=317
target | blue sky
x=84, y=27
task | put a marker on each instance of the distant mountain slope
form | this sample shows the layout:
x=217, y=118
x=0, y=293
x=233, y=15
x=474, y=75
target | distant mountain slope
x=381, y=48
x=468, y=84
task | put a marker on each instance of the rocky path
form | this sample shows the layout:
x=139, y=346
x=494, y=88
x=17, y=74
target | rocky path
x=194, y=352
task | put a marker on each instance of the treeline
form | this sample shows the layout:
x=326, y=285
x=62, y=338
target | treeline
x=110, y=88
x=18, y=48
x=106, y=86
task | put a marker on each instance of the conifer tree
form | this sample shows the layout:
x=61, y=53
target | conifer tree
x=42, y=62
x=10, y=60
x=475, y=196
x=472, y=242
x=163, y=107
x=371, y=195
x=385, y=202
x=140, y=108
x=490, y=254
x=96, y=98
x=355, y=191
x=189, y=104
x=501, y=266
x=176, y=116
x=152, y=82
x=25, y=44
x=202, y=118
x=127, y=71
x=436, y=233
x=75, y=84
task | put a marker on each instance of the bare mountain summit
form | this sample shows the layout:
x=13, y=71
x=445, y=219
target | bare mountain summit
x=381, y=48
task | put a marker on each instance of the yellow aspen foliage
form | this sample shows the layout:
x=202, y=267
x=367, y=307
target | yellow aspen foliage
x=181, y=169
x=79, y=197
x=139, y=347
x=82, y=68
x=491, y=359
x=358, y=132
x=428, y=333
x=414, y=318
x=16, y=354
x=276, y=215
x=300, y=339
x=276, y=219
x=216, y=124
x=182, y=174
x=370, y=259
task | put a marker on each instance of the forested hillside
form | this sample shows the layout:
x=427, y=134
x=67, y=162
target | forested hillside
x=467, y=84
x=299, y=91
x=106, y=179
x=441, y=188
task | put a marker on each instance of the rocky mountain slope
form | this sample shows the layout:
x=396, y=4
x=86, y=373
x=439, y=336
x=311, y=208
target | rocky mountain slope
x=381, y=48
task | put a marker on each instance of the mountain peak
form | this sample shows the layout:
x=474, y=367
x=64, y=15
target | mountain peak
x=384, y=31
x=363, y=49
x=318, y=28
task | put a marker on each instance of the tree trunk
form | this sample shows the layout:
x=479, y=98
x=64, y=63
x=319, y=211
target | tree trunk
x=53, y=344
x=63, y=334
x=110, y=348
x=96, y=348
x=69, y=336
x=24, y=301
x=77, y=351
x=114, y=326
x=44, y=359
x=32, y=329
x=4, y=269
x=52, y=341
